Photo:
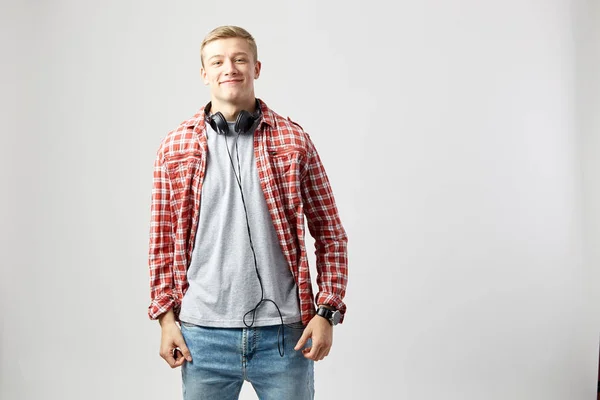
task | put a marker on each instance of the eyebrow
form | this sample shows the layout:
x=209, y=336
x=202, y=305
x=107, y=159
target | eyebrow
x=234, y=54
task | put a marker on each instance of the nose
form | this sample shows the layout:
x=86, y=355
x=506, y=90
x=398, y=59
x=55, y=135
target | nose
x=230, y=68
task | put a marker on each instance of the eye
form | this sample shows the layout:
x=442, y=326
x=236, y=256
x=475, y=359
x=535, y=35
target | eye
x=216, y=62
x=240, y=60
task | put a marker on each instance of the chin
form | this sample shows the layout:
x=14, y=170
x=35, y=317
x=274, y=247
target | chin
x=233, y=98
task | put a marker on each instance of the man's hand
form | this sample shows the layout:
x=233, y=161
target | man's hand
x=172, y=345
x=321, y=333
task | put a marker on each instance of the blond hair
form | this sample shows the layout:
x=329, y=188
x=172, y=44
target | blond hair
x=225, y=32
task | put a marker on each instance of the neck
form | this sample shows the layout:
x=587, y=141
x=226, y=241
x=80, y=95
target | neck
x=230, y=111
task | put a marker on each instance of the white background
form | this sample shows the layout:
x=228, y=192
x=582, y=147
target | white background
x=461, y=140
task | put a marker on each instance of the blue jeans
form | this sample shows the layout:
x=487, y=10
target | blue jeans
x=222, y=358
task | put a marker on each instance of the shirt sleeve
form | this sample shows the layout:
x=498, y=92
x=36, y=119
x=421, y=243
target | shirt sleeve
x=326, y=228
x=161, y=246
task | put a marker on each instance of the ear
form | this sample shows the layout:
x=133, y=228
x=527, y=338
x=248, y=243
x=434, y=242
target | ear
x=203, y=75
x=257, y=67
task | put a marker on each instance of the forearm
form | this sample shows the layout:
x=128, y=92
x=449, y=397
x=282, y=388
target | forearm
x=162, y=293
x=332, y=270
x=166, y=318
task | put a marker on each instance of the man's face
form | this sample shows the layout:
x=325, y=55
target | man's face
x=230, y=69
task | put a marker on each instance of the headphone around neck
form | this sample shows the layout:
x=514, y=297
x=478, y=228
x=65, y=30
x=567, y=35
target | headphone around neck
x=244, y=121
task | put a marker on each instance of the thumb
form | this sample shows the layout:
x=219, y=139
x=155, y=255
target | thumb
x=305, y=335
x=185, y=351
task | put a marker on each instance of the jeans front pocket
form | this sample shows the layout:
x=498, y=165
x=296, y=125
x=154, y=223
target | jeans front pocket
x=296, y=325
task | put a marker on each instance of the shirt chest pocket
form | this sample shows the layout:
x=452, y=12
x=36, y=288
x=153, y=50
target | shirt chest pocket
x=286, y=159
x=287, y=165
x=184, y=170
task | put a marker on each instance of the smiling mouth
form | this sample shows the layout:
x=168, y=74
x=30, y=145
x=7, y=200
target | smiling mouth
x=231, y=82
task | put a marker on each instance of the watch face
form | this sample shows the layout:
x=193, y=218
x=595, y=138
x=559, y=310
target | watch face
x=335, y=318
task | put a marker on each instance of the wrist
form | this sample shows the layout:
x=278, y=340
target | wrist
x=166, y=318
x=330, y=314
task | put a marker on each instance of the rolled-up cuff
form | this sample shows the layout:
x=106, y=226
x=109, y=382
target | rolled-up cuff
x=332, y=300
x=161, y=305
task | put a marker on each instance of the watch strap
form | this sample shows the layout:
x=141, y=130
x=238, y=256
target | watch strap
x=325, y=313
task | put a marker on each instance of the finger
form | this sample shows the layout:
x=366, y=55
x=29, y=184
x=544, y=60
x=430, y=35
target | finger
x=321, y=354
x=319, y=349
x=185, y=351
x=168, y=357
x=312, y=352
x=303, y=339
x=318, y=356
x=179, y=358
x=324, y=351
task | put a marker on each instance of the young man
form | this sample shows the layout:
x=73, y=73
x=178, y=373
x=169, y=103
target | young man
x=232, y=186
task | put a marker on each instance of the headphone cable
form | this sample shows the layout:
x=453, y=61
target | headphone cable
x=280, y=331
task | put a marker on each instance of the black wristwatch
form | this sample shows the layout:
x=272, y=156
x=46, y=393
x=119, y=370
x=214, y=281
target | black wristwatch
x=330, y=315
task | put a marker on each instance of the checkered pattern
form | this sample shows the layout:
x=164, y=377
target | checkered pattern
x=295, y=185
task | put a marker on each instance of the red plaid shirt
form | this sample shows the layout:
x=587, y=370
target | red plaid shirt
x=295, y=185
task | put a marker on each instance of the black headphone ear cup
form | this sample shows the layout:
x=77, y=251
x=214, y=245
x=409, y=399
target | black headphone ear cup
x=246, y=119
x=219, y=123
x=243, y=122
x=213, y=124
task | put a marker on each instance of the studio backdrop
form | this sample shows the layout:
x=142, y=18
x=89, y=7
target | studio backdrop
x=461, y=141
